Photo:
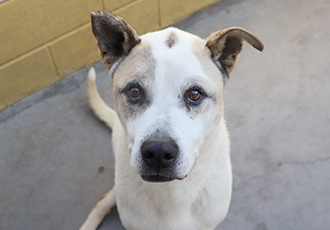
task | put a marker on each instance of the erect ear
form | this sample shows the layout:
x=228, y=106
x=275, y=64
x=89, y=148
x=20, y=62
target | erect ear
x=226, y=45
x=115, y=38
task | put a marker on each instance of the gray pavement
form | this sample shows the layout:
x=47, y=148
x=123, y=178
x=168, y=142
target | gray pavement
x=56, y=158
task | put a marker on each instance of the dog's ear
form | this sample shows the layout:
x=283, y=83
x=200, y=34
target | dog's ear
x=115, y=38
x=226, y=44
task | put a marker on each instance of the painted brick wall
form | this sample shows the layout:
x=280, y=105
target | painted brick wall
x=41, y=41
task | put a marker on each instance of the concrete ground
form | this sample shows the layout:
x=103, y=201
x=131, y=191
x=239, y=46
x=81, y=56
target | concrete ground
x=56, y=158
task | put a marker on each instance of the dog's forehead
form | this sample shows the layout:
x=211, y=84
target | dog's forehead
x=182, y=56
x=166, y=54
x=178, y=54
x=173, y=46
x=170, y=38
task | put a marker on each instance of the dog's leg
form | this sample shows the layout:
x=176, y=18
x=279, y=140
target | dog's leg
x=101, y=209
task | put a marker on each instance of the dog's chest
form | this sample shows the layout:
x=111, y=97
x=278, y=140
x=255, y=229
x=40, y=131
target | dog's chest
x=174, y=207
x=162, y=210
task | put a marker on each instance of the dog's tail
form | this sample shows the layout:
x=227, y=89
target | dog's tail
x=100, y=108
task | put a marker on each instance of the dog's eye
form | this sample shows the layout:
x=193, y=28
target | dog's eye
x=135, y=92
x=194, y=95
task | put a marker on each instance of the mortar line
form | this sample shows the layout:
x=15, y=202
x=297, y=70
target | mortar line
x=43, y=46
x=103, y=5
x=125, y=5
x=159, y=15
x=53, y=61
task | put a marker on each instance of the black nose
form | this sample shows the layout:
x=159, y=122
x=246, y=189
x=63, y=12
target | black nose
x=159, y=154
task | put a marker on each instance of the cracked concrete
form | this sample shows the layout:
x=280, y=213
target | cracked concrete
x=56, y=156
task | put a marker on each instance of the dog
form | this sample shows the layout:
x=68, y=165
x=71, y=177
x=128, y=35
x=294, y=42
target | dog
x=170, y=141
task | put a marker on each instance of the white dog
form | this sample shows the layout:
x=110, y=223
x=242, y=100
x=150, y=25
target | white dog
x=170, y=140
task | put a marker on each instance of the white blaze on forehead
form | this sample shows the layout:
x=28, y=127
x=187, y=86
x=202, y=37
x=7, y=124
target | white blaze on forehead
x=181, y=52
x=176, y=62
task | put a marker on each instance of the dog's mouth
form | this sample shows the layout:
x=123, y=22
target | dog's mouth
x=157, y=178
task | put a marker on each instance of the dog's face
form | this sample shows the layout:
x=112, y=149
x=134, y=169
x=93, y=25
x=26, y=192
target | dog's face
x=168, y=95
x=168, y=89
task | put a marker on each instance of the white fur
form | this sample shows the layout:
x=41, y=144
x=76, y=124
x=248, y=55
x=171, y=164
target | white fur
x=201, y=199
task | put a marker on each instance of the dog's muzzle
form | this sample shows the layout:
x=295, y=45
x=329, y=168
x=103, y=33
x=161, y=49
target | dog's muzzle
x=159, y=157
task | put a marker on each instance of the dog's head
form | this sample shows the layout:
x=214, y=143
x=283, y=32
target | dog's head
x=168, y=89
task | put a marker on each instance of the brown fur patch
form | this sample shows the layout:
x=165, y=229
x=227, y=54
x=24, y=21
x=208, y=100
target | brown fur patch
x=137, y=67
x=140, y=62
x=171, y=40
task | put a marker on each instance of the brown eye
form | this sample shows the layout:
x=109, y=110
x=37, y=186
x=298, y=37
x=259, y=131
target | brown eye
x=194, y=95
x=135, y=92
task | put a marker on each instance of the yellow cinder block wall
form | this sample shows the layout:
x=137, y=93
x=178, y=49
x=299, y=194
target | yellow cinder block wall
x=42, y=41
